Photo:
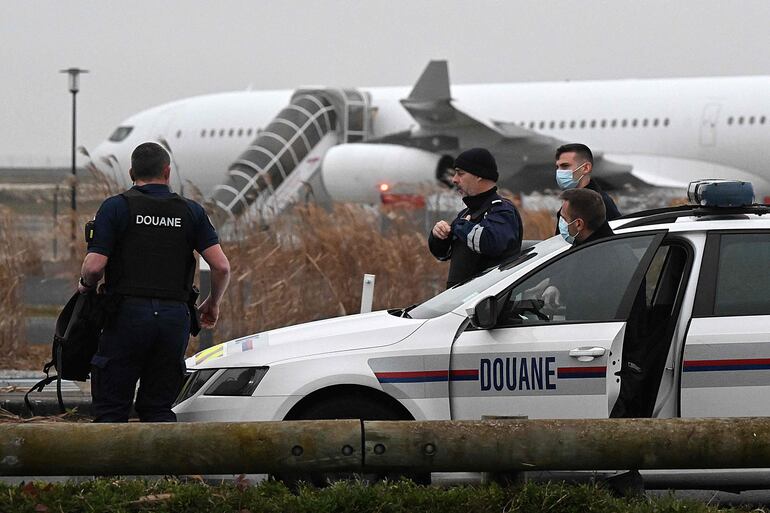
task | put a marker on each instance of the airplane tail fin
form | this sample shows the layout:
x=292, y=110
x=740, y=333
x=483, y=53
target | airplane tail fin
x=433, y=84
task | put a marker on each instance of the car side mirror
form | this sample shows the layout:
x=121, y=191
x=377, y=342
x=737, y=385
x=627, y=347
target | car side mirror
x=485, y=313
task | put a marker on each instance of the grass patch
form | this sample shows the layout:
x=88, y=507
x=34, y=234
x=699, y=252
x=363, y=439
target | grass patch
x=170, y=495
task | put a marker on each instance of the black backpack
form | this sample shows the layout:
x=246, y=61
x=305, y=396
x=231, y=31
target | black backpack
x=75, y=341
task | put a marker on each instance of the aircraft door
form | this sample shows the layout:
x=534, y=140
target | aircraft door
x=725, y=368
x=708, y=125
x=549, y=358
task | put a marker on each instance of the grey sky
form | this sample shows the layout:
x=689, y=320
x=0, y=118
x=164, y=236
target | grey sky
x=143, y=53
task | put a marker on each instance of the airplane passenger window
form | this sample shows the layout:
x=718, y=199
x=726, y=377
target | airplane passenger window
x=593, y=123
x=531, y=124
x=248, y=132
x=655, y=122
x=751, y=120
x=120, y=133
x=634, y=122
x=614, y=123
x=203, y=133
x=230, y=133
x=604, y=123
x=561, y=124
x=665, y=122
x=221, y=132
x=553, y=124
x=625, y=122
x=178, y=134
x=542, y=125
x=730, y=120
x=572, y=124
x=583, y=123
x=740, y=120
x=212, y=132
x=240, y=132
x=644, y=122
x=762, y=120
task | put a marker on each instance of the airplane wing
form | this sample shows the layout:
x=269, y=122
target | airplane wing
x=443, y=128
x=430, y=104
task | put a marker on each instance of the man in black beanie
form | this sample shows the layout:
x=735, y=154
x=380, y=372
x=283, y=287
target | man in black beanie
x=487, y=232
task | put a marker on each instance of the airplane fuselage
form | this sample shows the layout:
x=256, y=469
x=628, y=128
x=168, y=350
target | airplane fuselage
x=653, y=124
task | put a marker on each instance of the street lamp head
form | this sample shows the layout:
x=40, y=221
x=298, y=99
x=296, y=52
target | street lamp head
x=74, y=74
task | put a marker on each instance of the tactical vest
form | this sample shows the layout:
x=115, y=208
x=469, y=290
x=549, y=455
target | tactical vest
x=153, y=258
x=465, y=262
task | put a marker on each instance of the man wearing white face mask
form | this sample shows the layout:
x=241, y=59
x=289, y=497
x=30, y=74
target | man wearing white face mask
x=582, y=220
x=583, y=217
x=574, y=163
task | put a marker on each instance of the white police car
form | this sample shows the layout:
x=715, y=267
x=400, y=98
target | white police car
x=668, y=318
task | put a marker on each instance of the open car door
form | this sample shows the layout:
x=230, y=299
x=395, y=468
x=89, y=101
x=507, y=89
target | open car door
x=555, y=342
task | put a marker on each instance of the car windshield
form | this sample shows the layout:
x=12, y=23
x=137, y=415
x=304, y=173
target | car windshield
x=462, y=292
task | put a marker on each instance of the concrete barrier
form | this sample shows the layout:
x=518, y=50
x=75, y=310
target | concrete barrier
x=373, y=446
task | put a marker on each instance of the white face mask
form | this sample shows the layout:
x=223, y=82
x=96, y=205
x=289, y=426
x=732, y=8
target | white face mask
x=564, y=177
x=564, y=230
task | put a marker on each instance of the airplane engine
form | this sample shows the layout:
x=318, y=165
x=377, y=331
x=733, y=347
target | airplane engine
x=361, y=172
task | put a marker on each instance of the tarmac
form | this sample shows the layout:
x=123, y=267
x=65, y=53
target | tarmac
x=14, y=384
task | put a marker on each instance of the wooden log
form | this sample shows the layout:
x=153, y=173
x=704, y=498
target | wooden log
x=586, y=444
x=72, y=449
x=335, y=446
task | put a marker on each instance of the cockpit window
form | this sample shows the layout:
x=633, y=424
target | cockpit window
x=120, y=133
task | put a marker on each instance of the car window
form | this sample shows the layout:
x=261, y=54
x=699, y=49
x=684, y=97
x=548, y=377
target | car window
x=743, y=275
x=587, y=285
x=459, y=294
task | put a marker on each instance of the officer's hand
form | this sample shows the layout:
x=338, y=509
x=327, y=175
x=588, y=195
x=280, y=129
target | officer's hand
x=552, y=297
x=442, y=230
x=82, y=289
x=209, y=313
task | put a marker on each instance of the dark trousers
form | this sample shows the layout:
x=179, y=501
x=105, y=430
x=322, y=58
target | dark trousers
x=145, y=341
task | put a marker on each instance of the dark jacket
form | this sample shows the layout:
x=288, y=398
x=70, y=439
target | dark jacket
x=492, y=235
x=603, y=231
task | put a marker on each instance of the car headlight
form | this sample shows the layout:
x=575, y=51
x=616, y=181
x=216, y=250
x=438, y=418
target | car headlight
x=237, y=381
x=194, y=383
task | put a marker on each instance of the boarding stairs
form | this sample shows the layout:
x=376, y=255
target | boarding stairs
x=279, y=164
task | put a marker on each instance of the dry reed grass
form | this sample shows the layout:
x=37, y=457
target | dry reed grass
x=18, y=256
x=310, y=265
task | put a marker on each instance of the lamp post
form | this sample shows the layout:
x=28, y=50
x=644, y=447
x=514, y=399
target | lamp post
x=74, y=86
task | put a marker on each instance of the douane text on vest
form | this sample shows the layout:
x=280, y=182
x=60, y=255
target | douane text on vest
x=159, y=221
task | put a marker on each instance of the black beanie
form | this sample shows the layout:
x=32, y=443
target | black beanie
x=479, y=162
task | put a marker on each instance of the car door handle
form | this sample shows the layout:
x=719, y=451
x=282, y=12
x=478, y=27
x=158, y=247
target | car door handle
x=586, y=354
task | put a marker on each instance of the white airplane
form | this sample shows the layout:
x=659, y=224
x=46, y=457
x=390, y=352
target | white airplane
x=241, y=149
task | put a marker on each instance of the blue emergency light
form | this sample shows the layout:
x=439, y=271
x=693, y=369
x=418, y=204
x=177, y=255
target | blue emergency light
x=720, y=193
